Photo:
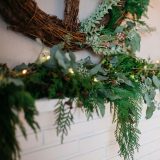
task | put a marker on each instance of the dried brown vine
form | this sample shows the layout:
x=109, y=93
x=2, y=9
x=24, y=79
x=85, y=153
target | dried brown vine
x=71, y=15
x=26, y=17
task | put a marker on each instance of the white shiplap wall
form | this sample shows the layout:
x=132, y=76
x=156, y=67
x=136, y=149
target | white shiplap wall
x=93, y=140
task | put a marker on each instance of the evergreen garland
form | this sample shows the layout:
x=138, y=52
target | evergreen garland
x=137, y=8
x=121, y=80
x=14, y=100
x=127, y=114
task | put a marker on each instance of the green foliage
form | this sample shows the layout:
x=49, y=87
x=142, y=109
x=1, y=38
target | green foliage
x=133, y=41
x=120, y=79
x=104, y=42
x=64, y=118
x=131, y=83
x=93, y=30
x=93, y=99
x=149, y=96
x=116, y=14
x=108, y=42
x=91, y=24
x=127, y=114
x=59, y=58
x=137, y=8
x=14, y=101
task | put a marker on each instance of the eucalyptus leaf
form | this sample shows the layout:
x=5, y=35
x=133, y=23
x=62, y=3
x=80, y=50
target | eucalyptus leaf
x=147, y=99
x=114, y=61
x=95, y=70
x=16, y=82
x=130, y=24
x=152, y=94
x=150, y=110
x=101, y=107
x=60, y=59
x=20, y=67
x=72, y=57
x=148, y=81
x=101, y=78
x=135, y=40
x=156, y=81
x=123, y=79
x=111, y=96
x=51, y=63
x=54, y=49
x=119, y=29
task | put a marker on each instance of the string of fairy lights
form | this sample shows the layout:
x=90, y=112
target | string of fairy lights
x=45, y=56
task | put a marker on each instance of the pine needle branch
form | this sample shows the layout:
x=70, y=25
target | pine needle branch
x=64, y=118
x=128, y=112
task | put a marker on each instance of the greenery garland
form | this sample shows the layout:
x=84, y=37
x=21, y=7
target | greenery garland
x=122, y=80
x=119, y=78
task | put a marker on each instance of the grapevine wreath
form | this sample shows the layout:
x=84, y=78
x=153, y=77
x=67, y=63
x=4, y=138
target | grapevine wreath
x=120, y=78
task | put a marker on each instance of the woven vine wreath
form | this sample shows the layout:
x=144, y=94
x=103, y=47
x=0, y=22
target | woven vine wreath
x=120, y=78
x=26, y=17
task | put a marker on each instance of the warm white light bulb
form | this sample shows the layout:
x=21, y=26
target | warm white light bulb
x=48, y=57
x=1, y=77
x=24, y=71
x=70, y=70
x=145, y=67
x=132, y=76
x=95, y=79
x=157, y=61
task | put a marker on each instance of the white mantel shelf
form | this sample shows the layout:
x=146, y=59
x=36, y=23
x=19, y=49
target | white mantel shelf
x=45, y=105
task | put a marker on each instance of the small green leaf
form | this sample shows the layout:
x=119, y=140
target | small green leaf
x=156, y=81
x=122, y=78
x=101, y=78
x=72, y=57
x=20, y=67
x=130, y=24
x=16, y=82
x=60, y=59
x=148, y=82
x=150, y=110
x=119, y=29
x=101, y=109
x=54, y=49
x=147, y=99
x=135, y=42
x=111, y=96
x=95, y=70
x=152, y=94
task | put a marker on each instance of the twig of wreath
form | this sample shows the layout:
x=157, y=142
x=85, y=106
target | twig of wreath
x=26, y=17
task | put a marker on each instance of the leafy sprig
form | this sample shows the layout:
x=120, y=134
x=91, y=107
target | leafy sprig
x=64, y=118
x=14, y=101
x=120, y=79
